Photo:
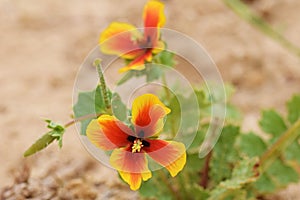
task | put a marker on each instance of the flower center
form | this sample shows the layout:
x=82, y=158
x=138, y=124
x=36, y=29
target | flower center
x=146, y=43
x=137, y=146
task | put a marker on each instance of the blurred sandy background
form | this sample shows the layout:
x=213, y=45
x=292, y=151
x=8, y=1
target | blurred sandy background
x=43, y=43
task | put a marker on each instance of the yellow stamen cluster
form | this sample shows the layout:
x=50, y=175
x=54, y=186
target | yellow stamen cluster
x=137, y=146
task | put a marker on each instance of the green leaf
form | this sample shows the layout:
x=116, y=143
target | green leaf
x=282, y=174
x=224, y=154
x=166, y=58
x=148, y=189
x=272, y=123
x=155, y=188
x=196, y=192
x=251, y=145
x=118, y=107
x=293, y=107
x=292, y=152
x=237, y=195
x=202, y=98
x=264, y=184
x=229, y=91
x=191, y=173
x=233, y=114
x=154, y=72
x=89, y=103
x=278, y=175
x=56, y=133
x=194, y=164
x=244, y=172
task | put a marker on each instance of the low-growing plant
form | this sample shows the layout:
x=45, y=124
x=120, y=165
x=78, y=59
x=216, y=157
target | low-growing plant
x=153, y=139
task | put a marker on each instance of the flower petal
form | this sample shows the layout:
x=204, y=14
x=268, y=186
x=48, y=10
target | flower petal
x=108, y=133
x=147, y=115
x=154, y=14
x=121, y=39
x=158, y=47
x=154, y=18
x=171, y=155
x=139, y=62
x=132, y=167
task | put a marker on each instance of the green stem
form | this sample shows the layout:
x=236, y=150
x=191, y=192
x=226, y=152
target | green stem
x=103, y=87
x=276, y=149
x=242, y=10
x=79, y=119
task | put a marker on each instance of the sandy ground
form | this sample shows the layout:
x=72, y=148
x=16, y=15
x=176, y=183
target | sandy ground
x=43, y=43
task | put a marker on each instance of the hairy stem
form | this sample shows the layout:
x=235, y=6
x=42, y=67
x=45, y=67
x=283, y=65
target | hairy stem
x=242, y=10
x=70, y=123
x=103, y=87
x=276, y=149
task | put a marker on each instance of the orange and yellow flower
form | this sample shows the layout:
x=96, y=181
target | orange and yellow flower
x=130, y=146
x=126, y=41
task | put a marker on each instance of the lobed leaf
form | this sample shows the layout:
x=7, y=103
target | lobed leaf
x=166, y=58
x=282, y=174
x=277, y=176
x=89, y=103
x=153, y=72
x=292, y=152
x=272, y=123
x=251, y=145
x=244, y=172
x=264, y=184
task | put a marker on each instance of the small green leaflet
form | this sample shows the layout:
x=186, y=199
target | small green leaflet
x=89, y=103
x=56, y=133
x=293, y=150
x=293, y=107
x=251, y=145
x=278, y=175
x=272, y=123
x=153, y=73
x=166, y=58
